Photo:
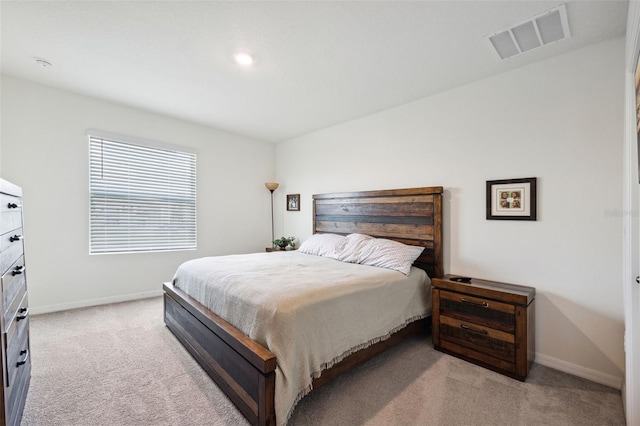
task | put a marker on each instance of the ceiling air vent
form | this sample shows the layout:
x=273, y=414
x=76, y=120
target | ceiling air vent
x=546, y=28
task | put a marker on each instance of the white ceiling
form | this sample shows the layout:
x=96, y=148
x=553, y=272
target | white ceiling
x=318, y=63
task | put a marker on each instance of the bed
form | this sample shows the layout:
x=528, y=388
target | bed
x=245, y=369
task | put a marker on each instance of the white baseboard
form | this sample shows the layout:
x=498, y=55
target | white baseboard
x=35, y=310
x=577, y=370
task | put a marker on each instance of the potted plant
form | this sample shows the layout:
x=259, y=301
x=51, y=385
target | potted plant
x=283, y=242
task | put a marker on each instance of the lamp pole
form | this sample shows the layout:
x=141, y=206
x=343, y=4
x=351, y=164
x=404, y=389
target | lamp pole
x=272, y=233
x=272, y=186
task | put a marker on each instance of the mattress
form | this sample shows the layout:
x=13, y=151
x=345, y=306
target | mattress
x=310, y=311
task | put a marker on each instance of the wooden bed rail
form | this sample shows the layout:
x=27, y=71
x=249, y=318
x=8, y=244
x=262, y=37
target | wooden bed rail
x=244, y=369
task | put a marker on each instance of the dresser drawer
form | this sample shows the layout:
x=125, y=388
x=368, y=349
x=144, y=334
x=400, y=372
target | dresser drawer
x=18, y=322
x=13, y=289
x=16, y=394
x=11, y=216
x=17, y=343
x=485, y=312
x=11, y=248
x=10, y=203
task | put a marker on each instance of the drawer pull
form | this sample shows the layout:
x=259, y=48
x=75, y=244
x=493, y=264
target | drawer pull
x=483, y=304
x=24, y=312
x=14, y=206
x=18, y=270
x=16, y=238
x=465, y=327
x=24, y=359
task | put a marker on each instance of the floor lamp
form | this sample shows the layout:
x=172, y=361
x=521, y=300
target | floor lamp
x=272, y=186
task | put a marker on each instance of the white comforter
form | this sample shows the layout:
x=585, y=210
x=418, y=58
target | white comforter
x=310, y=311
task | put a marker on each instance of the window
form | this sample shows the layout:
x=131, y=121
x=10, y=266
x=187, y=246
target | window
x=142, y=198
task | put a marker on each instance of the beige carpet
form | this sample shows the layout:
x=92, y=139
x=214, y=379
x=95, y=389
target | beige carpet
x=119, y=365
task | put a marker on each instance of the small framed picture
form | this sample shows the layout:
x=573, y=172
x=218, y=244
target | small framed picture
x=293, y=202
x=511, y=199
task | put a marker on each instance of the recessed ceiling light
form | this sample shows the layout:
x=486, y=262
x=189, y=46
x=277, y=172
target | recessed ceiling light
x=244, y=58
x=43, y=63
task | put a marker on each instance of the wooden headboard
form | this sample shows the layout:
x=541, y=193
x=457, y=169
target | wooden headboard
x=410, y=216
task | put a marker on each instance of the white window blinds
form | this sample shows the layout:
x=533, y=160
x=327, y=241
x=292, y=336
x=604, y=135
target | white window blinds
x=142, y=198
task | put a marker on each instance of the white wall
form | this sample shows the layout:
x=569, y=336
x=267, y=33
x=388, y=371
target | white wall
x=45, y=150
x=560, y=120
x=631, y=203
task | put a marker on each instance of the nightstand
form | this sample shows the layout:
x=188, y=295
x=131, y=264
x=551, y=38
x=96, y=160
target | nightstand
x=485, y=322
x=275, y=249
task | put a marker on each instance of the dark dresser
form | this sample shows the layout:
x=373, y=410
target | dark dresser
x=16, y=364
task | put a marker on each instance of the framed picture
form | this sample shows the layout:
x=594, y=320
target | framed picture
x=511, y=199
x=293, y=202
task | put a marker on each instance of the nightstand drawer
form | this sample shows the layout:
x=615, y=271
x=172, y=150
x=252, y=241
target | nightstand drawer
x=492, y=342
x=485, y=312
x=469, y=354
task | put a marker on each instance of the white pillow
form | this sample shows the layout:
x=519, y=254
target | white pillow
x=352, y=246
x=321, y=245
x=380, y=252
x=390, y=254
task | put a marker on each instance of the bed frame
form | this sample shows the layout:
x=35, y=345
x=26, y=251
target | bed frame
x=244, y=369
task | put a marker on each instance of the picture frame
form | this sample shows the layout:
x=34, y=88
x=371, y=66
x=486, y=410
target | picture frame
x=512, y=199
x=293, y=202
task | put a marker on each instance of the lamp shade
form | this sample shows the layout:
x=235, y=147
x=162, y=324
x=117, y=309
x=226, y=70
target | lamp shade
x=271, y=186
